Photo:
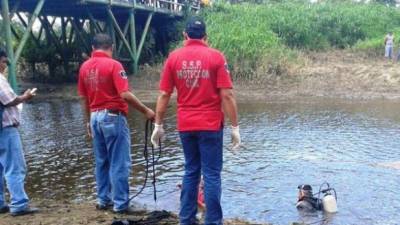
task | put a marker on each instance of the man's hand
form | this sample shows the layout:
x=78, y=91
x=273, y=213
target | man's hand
x=149, y=114
x=158, y=135
x=28, y=94
x=89, y=130
x=235, y=137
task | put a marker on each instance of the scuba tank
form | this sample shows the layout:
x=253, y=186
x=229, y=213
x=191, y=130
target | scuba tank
x=329, y=201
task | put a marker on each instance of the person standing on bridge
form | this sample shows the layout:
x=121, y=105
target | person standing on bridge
x=105, y=96
x=12, y=161
x=201, y=77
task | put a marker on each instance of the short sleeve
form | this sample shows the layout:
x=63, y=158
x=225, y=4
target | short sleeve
x=120, y=78
x=223, y=74
x=167, y=80
x=7, y=94
x=81, y=84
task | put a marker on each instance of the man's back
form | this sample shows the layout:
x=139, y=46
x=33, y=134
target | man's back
x=197, y=72
x=102, y=80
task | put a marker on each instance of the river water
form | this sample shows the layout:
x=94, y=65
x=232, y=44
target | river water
x=285, y=144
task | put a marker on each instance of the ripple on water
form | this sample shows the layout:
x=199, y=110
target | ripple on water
x=286, y=144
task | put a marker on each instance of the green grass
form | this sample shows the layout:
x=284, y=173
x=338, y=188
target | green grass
x=251, y=35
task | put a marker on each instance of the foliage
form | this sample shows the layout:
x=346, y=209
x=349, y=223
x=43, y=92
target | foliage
x=247, y=33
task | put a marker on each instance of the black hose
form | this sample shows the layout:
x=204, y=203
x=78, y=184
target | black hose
x=147, y=135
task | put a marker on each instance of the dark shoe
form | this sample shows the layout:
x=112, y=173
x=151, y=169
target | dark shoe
x=4, y=209
x=29, y=210
x=104, y=207
x=128, y=211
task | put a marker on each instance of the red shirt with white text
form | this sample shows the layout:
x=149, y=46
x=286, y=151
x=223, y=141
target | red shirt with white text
x=198, y=72
x=102, y=80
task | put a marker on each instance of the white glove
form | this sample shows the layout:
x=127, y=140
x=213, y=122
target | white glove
x=235, y=137
x=158, y=135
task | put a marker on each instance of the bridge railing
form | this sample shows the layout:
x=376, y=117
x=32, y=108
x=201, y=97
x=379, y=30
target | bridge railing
x=172, y=5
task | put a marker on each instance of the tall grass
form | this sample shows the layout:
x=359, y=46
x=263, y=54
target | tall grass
x=251, y=35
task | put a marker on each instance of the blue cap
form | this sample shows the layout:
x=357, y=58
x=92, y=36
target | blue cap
x=195, y=28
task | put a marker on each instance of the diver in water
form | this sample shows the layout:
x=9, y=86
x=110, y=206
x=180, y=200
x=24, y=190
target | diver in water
x=306, y=200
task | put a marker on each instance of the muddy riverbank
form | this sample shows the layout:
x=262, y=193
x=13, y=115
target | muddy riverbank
x=338, y=75
x=67, y=213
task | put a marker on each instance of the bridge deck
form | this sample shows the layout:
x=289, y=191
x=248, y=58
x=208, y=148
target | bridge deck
x=79, y=8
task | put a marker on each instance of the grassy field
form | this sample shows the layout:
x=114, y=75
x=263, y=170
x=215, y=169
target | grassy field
x=266, y=38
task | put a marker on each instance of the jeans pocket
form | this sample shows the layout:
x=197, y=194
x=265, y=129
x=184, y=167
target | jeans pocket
x=109, y=130
x=109, y=126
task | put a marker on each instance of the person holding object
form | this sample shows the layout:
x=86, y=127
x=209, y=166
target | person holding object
x=201, y=77
x=105, y=96
x=12, y=161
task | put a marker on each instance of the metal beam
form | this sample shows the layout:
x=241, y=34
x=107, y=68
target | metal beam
x=146, y=28
x=93, y=20
x=110, y=29
x=133, y=39
x=120, y=33
x=50, y=34
x=24, y=38
x=125, y=34
x=79, y=34
x=37, y=40
x=15, y=33
x=10, y=51
x=64, y=31
x=12, y=12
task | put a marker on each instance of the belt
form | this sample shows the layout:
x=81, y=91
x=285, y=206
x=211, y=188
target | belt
x=113, y=111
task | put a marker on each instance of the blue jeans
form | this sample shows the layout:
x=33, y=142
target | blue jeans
x=111, y=143
x=13, y=168
x=388, y=51
x=203, y=154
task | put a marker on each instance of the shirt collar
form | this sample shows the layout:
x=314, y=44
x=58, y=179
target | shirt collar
x=99, y=53
x=191, y=42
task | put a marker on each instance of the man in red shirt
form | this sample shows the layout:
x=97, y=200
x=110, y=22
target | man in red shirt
x=201, y=77
x=104, y=89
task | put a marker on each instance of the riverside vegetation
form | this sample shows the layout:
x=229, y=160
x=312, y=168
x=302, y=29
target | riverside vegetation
x=262, y=39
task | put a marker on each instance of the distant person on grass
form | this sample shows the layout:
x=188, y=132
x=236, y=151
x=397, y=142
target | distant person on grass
x=389, y=41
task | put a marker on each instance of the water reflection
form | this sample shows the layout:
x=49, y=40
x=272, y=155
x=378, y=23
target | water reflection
x=286, y=144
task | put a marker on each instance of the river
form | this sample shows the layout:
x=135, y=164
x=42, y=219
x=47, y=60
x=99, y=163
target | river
x=285, y=144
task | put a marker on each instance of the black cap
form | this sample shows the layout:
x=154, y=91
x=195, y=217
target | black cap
x=195, y=28
x=305, y=187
